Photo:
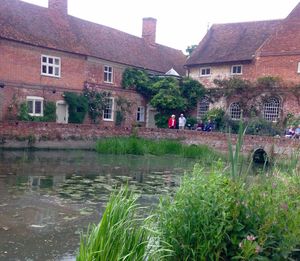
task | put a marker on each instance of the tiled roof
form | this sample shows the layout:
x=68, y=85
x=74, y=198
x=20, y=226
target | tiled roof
x=41, y=26
x=232, y=42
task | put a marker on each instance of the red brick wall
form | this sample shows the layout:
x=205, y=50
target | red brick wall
x=22, y=64
x=20, y=70
x=216, y=140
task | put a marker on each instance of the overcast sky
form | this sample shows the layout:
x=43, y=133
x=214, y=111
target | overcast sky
x=179, y=22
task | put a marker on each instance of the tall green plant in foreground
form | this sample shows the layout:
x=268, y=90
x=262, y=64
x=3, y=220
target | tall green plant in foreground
x=121, y=234
x=213, y=217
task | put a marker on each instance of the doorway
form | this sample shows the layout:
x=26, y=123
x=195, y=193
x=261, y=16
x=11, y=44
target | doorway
x=62, y=112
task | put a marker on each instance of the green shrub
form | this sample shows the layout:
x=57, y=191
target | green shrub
x=78, y=106
x=213, y=217
x=216, y=115
x=259, y=126
x=49, y=113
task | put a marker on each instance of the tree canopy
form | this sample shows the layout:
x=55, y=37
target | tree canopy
x=168, y=95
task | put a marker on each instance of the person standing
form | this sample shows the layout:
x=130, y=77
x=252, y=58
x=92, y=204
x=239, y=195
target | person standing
x=181, y=122
x=172, y=122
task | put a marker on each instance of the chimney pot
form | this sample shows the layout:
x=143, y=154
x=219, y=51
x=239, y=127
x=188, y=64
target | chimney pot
x=149, y=30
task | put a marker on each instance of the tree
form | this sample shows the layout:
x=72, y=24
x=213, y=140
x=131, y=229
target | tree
x=168, y=95
x=190, y=49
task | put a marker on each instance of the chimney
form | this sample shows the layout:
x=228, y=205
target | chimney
x=149, y=30
x=60, y=6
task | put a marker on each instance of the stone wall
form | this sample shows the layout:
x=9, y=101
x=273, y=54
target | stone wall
x=16, y=134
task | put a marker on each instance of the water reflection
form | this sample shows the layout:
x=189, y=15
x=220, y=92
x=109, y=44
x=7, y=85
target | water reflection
x=48, y=197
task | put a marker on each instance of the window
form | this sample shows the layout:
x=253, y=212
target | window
x=140, y=114
x=271, y=109
x=108, y=111
x=35, y=105
x=236, y=69
x=235, y=111
x=203, y=107
x=205, y=71
x=50, y=66
x=108, y=74
x=298, y=69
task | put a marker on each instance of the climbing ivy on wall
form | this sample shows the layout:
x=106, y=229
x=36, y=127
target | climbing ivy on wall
x=168, y=95
x=78, y=106
x=49, y=113
x=96, y=102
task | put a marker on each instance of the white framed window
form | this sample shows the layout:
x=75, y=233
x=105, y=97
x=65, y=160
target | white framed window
x=50, y=66
x=205, y=71
x=203, y=107
x=271, y=109
x=140, y=114
x=235, y=111
x=108, y=113
x=108, y=74
x=35, y=105
x=298, y=68
x=236, y=69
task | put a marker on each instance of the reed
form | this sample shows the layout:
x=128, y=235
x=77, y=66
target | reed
x=120, y=235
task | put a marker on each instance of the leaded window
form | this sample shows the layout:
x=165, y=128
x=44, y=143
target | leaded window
x=271, y=109
x=235, y=111
x=203, y=107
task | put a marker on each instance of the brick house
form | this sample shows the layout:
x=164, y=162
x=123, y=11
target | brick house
x=46, y=52
x=252, y=51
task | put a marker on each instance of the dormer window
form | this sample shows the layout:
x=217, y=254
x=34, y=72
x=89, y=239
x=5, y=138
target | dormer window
x=236, y=69
x=205, y=72
x=50, y=66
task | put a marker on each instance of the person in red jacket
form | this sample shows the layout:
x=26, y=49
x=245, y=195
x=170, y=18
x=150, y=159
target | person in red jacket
x=172, y=122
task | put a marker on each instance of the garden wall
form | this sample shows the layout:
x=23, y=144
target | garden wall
x=17, y=134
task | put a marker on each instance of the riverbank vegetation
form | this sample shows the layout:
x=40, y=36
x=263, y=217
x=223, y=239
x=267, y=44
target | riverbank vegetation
x=215, y=214
x=210, y=217
x=139, y=146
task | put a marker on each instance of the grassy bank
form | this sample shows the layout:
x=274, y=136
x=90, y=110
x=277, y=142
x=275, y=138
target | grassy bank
x=139, y=146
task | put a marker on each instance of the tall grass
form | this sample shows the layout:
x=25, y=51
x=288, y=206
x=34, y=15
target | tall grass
x=139, y=146
x=120, y=235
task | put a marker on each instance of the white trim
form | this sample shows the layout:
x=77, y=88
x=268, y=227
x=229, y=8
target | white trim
x=236, y=65
x=141, y=112
x=205, y=68
x=112, y=110
x=53, y=65
x=298, y=69
x=34, y=99
x=108, y=72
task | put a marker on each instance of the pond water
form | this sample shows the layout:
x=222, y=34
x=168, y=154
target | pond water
x=48, y=197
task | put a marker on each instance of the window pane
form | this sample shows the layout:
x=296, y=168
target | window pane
x=271, y=109
x=56, y=69
x=235, y=111
x=44, y=59
x=30, y=106
x=38, y=107
x=50, y=60
x=50, y=70
x=108, y=109
x=203, y=107
x=56, y=61
x=44, y=69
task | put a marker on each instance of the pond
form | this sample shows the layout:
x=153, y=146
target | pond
x=48, y=197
